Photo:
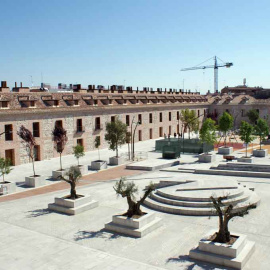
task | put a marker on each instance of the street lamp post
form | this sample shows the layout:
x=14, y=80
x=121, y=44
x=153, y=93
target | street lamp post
x=133, y=136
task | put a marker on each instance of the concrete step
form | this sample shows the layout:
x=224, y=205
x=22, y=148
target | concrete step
x=154, y=224
x=234, y=173
x=240, y=192
x=73, y=211
x=243, y=167
x=237, y=262
x=148, y=166
x=239, y=199
x=194, y=211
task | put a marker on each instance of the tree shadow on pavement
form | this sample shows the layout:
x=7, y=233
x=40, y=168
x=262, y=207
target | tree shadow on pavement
x=82, y=235
x=39, y=212
x=194, y=264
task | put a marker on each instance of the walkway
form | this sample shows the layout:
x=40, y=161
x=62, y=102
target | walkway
x=109, y=174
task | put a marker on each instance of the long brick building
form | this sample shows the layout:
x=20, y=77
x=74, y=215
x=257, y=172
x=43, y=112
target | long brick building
x=85, y=112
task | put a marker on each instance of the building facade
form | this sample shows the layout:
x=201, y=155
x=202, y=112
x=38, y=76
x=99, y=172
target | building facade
x=84, y=114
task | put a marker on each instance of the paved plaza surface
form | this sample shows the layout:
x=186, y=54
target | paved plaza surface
x=32, y=237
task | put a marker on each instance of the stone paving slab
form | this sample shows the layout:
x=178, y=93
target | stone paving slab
x=167, y=247
x=46, y=252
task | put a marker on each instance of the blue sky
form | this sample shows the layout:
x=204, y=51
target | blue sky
x=137, y=43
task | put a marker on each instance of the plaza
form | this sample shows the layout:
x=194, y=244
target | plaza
x=32, y=237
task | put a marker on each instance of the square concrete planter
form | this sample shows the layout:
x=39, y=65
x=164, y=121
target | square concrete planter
x=135, y=227
x=260, y=153
x=98, y=165
x=207, y=158
x=73, y=207
x=235, y=255
x=7, y=188
x=116, y=160
x=83, y=169
x=36, y=181
x=245, y=159
x=225, y=150
x=56, y=174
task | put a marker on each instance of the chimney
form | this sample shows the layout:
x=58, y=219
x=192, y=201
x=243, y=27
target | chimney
x=21, y=85
x=3, y=84
x=15, y=84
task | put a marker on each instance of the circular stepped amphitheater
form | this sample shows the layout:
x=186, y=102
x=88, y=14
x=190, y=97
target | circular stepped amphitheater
x=193, y=197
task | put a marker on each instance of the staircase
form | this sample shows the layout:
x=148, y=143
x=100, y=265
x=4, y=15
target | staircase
x=182, y=201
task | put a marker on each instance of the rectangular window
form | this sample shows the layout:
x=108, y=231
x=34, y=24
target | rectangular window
x=76, y=102
x=32, y=103
x=140, y=135
x=127, y=120
x=95, y=102
x=170, y=116
x=140, y=119
x=8, y=133
x=36, y=129
x=177, y=115
x=97, y=123
x=37, y=152
x=59, y=123
x=113, y=119
x=80, y=142
x=160, y=117
x=4, y=104
x=150, y=118
x=56, y=103
x=79, y=125
x=150, y=133
x=10, y=154
x=198, y=113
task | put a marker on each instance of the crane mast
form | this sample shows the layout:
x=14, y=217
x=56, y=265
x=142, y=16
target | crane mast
x=215, y=67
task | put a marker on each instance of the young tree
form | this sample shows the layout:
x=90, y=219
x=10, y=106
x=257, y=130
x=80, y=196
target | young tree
x=128, y=140
x=261, y=130
x=115, y=134
x=128, y=190
x=189, y=120
x=253, y=116
x=246, y=131
x=225, y=123
x=72, y=177
x=97, y=145
x=29, y=141
x=5, y=165
x=60, y=139
x=208, y=132
x=225, y=214
x=194, y=122
x=78, y=152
